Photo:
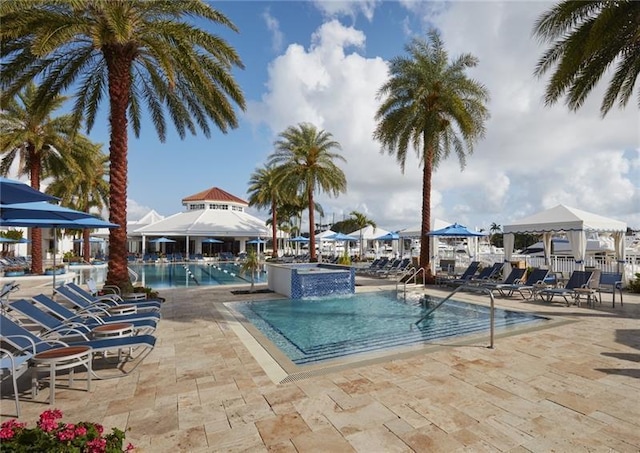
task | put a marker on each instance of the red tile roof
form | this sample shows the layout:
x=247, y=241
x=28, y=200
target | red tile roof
x=214, y=194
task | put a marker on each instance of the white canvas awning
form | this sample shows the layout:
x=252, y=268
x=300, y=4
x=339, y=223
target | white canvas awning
x=571, y=221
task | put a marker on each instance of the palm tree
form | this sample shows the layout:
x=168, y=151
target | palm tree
x=264, y=192
x=85, y=189
x=494, y=229
x=136, y=51
x=361, y=221
x=587, y=38
x=433, y=106
x=305, y=162
x=36, y=139
x=251, y=264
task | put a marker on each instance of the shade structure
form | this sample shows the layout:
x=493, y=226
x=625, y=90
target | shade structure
x=162, y=240
x=340, y=237
x=46, y=215
x=455, y=230
x=299, y=239
x=391, y=236
x=12, y=191
x=212, y=241
x=92, y=239
x=256, y=241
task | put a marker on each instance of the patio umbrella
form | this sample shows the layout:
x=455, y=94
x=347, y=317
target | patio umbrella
x=162, y=240
x=12, y=191
x=212, y=241
x=391, y=236
x=455, y=230
x=91, y=239
x=299, y=239
x=46, y=215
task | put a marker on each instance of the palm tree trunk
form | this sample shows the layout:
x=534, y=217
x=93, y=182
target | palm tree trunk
x=274, y=229
x=36, y=233
x=312, y=227
x=86, y=244
x=425, y=252
x=119, y=66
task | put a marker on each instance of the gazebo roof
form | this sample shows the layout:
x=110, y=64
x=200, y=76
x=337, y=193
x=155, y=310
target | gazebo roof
x=214, y=194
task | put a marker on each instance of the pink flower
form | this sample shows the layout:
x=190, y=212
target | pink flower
x=6, y=433
x=129, y=447
x=13, y=424
x=99, y=428
x=81, y=431
x=97, y=445
x=65, y=435
x=48, y=419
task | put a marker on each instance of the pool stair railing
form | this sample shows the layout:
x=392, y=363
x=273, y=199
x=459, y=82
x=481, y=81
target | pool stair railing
x=466, y=287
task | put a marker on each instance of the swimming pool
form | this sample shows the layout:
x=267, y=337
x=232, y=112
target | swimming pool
x=311, y=331
x=172, y=275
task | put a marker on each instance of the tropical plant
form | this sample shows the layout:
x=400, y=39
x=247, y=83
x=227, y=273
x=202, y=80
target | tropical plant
x=361, y=221
x=634, y=285
x=587, y=39
x=264, y=192
x=494, y=229
x=85, y=189
x=432, y=105
x=305, y=162
x=35, y=138
x=251, y=264
x=344, y=259
x=136, y=51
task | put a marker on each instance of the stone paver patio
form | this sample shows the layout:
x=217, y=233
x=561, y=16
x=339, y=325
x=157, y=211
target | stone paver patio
x=574, y=386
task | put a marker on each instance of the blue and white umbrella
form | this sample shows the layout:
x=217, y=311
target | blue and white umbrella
x=12, y=191
x=455, y=230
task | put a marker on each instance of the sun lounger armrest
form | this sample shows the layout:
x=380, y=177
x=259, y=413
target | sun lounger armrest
x=33, y=343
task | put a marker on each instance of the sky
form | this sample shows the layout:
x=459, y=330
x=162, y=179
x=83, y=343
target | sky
x=323, y=62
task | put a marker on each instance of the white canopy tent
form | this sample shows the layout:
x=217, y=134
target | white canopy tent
x=205, y=223
x=415, y=231
x=369, y=233
x=571, y=221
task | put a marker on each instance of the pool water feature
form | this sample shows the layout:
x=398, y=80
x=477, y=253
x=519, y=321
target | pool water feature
x=171, y=275
x=298, y=281
x=311, y=331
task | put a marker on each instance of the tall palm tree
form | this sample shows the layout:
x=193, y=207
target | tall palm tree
x=306, y=163
x=264, y=192
x=494, y=229
x=430, y=104
x=86, y=189
x=361, y=221
x=587, y=38
x=136, y=51
x=36, y=139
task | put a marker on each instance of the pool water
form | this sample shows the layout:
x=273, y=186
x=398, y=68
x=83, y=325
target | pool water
x=172, y=275
x=311, y=331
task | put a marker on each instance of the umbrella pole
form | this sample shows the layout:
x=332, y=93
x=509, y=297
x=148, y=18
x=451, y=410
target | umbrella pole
x=55, y=250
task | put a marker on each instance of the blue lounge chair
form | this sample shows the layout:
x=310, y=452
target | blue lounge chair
x=513, y=278
x=140, y=320
x=578, y=279
x=535, y=277
x=13, y=366
x=23, y=339
x=610, y=282
x=100, y=308
x=77, y=326
x=466, y=276
x=111, y=300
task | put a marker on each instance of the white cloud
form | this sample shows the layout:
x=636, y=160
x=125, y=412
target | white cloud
x=135, y=211
x=532, y=157
x=349, y=8
x=277, y=37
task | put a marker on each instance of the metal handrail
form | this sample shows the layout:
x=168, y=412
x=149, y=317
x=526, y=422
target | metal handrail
x=414, y=276
x=469, y=288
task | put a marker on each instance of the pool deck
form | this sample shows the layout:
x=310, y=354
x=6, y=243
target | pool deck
x=574, y=386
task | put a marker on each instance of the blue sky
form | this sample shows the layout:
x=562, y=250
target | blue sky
x=323, y=62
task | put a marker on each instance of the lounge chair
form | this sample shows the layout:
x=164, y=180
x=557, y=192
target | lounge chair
x=535, y=277
x=578, y=279
x=404, y=264
x=110, y=300
x=13, y=366
x=487, y=273
x=100, y=308
x=466, y=276
x=610, y=282
x=514, y=277
x=76, y=325
x=23, y=339
x=139, y=320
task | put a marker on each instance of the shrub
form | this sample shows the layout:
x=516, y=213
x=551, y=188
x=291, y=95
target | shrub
x=53, y=435
x=634, y=285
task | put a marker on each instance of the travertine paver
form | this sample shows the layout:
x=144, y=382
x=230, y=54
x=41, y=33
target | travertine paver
x=571, y=387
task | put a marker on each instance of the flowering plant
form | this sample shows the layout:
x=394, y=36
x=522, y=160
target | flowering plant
x=52, y=435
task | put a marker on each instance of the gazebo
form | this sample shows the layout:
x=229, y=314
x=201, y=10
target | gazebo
x=571, y=221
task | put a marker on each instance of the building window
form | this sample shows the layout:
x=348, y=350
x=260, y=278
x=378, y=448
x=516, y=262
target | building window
x=196, y=206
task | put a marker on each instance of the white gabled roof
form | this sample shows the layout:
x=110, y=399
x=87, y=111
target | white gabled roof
x=564, y=218
x=369, y=233
x=416, y=230
x=207, y=222
x=147, y=219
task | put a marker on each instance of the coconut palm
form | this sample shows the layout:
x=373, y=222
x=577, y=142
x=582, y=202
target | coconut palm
x=430, y=104
x=33, y=137
x=86, y=189
x=306, y=163
x=138, y=52
x=264, y=192
x=251, y=264
x=587, y=39
x=361, y=221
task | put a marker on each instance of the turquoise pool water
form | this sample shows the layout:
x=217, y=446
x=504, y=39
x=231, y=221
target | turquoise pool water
x=311, y=331
x=173, y=275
